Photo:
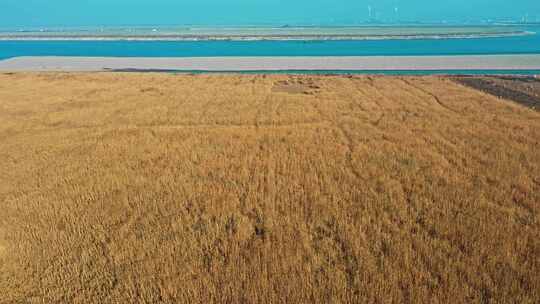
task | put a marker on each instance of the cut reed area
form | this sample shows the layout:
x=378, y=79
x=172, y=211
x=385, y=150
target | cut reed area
x=145, y=188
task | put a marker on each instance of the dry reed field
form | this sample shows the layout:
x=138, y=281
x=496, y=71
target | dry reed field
x=161, y=188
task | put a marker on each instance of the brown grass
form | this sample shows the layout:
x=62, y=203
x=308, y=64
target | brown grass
x=119, y=188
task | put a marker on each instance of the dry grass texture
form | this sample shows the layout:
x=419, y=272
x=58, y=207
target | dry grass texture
x=119, y=188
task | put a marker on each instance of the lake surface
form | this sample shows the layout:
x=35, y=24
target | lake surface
x=218, y=42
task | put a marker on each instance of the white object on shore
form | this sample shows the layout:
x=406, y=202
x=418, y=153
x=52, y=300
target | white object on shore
x=367, y=63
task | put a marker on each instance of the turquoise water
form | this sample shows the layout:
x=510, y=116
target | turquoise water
x=507, y=45
x=527, y=44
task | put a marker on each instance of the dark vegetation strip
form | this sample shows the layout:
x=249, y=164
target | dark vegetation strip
x=485, y=84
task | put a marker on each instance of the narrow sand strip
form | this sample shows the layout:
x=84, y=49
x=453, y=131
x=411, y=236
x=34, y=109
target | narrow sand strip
x=368, y=63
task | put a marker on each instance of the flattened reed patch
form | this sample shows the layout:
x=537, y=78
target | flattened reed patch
x=295, y=86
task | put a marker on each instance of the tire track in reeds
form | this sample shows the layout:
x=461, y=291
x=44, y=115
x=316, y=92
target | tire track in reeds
x=223, y=126
x=330, y=231
x=376, y=90
x=403, y=186
x=426, y=105
x=3, y=245
x=109, y=261
x=277, y=109
x=389, y=100
x=267, y=118
x=349, y=143
x=432, y=95
x=358, y=88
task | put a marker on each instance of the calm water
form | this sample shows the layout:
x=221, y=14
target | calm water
x=508, y=45
x=529, y=44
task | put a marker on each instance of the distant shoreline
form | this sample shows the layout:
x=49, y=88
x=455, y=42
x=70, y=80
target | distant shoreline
x=270, y=37
x=273, y=64
x=271, y=33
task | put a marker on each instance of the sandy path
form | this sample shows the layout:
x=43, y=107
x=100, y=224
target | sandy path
x=368, y=63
